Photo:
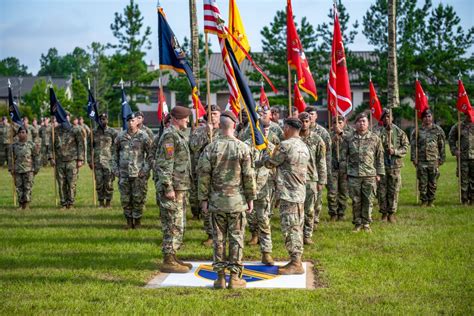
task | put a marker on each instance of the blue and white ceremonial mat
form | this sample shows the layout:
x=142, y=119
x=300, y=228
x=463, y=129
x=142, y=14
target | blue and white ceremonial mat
x=256, y=274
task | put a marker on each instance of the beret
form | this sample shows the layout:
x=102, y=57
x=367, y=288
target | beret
x=361, y=116
x=294, y=123
x=131, y=116
x=304, y=116
x=385, y=112
x=214, y=107
x=426, y=112
x=230, y=115
x=180, y=112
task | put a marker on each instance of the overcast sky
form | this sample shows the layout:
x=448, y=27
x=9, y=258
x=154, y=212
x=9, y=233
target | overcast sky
x=28, y=28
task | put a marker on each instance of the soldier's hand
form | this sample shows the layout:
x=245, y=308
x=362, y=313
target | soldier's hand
x=391, y=151
x=79, y=163
x=52, y=162
x=249, y=206
x=377, y=177
x=204, y=207
x=320, y=187
x=170, y=195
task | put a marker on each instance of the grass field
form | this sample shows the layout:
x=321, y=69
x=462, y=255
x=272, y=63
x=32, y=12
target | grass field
x=82, y=261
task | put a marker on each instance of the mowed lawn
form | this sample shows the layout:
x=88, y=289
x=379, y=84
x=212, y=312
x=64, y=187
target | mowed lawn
x=83, y=261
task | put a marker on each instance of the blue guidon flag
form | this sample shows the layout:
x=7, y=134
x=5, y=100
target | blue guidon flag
x=251, y=273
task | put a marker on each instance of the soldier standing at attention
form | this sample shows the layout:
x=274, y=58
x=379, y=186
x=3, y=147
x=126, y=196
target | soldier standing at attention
x=395, y=144
x=5, y=140
x=291, y=160
x=23, y=163
x=227, y=189
x=275, y=115
x=337, y=180
x=316, y=176
x=104, y=137
x=364, y=166
x=45, y=134
x=173, y=181
x=69, y=157
x=199, y=139
x=431, y=155
x=324, y=134
x=467, y=157
x=131, y=164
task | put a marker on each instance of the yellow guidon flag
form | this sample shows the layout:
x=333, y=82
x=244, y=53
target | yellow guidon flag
x=236, y=27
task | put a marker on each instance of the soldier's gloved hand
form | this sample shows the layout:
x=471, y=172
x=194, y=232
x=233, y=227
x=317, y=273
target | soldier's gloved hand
x=52, y=162
x=249, y=206
x=79, y=163
x=170, y=195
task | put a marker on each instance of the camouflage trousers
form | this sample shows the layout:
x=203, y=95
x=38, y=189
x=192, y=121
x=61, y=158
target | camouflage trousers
x=66, y=176
x=44, y=154
x=337, y=193
x=206, y=219
x=362, y=192
x=427, y=173
x=467, y=180
x=309, y=208
x=104, y=183
x=132, y=196
x=3, y=154
x=259, y=223
x=292, y=221
x=173, y=220
x=24, y=185
x=388, y=190
x=193, y=199
x=228, y=227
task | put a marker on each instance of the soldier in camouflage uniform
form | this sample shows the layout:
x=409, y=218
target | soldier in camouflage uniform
x=45, y=133
x=33, y=133
x=23, y=163
x=199, y=139
x=173, y=167
x=364, y=166
x=276, y=133
x=316, y=176
x=291, y=160
x=467, y=157
x=395, y=144
x=103, y=141
x=430, y=155
x=68, y=158
x=5, y=140
x=259, y=218
x=337, y=181
x=131, y=164
x=149, y=132
x=227, y=189
x=324, y=134
x=275, y=115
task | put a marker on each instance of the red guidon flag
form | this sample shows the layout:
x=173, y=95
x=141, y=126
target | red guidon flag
x=162, y=106
x=296, y=57
x=264, y=103
x=375, y=107
x=421, y=101
x=463, y=103
x=339, y=89
x=299, y=101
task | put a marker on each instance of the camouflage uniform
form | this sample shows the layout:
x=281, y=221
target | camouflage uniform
x=259, y=218
x=467, y=158
x=275, y=134
x=45, y=133
x=291, y=160
x=389, y=186
x=337, y=178
x=363, y=162
x=317, y=174
x=5, y=140
x=25, y=164
x=102, y=149
x=431, y=154
x=150, y=135
x=173, y=167
x=68, y=150
x=227, y=182
x=130, y=156
x=198, y=140
x=324, y=134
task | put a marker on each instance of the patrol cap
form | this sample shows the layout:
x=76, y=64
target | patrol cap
x=230, y=115
x=310, y=108
x=304, y=116
x=214, y=107
x=360, y=116
x=139, y=113
x=426, y=112
x=131, y=116
x=385, y=112
x=22, y=128
x=180, y=112
x=294, y=123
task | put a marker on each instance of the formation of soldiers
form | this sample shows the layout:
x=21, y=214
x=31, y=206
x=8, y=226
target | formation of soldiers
x=228, y=183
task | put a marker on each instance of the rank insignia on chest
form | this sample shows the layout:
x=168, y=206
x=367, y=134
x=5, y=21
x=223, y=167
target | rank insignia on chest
x=169, y=147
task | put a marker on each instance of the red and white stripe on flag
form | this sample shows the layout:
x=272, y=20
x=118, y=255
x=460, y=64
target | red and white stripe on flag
x=213, y=22
x=230, y=76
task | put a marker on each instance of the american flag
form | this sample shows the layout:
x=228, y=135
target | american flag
x=231, y=81
x=213, y=22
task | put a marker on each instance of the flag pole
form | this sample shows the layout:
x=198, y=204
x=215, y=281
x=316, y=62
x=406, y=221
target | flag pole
x=12, y=157
x=54, y=158
x=94, y=194
x=416, y=147
x=459, y=151
x=289, y=91
x=208, y=86
x=370, y=111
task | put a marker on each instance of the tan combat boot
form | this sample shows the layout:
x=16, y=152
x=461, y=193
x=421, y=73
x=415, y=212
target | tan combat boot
x=293, y=267
x=384, y=217
x=392, y=219
x=129, y=223
x=26, y=206
x=308, y=241
x=107, y=204
x=333, y=218
x=208, y=242
x=170, y=265
x=235, y=282
x=367, y=228
x=254, y=240
x=341, y=217
x=357, y=228
x=267, y=259
x=101, y=203
x=137, y=223
x=186, y=264
x=220, y=282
